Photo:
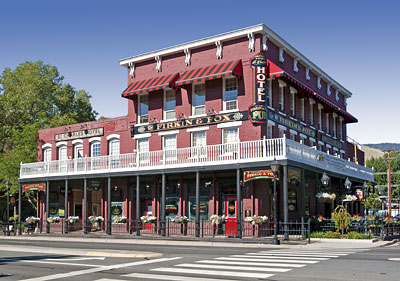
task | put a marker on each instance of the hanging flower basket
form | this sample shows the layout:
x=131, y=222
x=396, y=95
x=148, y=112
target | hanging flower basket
x=325, y=197
x=256, y=219
x=72, y=219
x=216, y=220
x=180, y=219
x=53, y=219
x=148, y=219
x=350, y=198
x=95, y=219
x=32, y=220
x=119, y=219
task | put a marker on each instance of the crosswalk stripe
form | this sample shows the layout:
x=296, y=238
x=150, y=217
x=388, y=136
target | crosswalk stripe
x=251, y=263
x=307, y=252
x=210, y=266
x=280, y=257
x=213, y=272
x=170, y=277
x=265, y=260
x=296, y=255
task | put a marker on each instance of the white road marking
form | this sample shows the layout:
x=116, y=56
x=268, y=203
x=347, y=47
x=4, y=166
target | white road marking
x=98, y=269
x=169, y=277
x=281, y=257
x=77, y=259
x=264, y=259
x=225, y=267
x=62, y=263
x=295, y=255
x=213, y=272
x=251, y=263
x=394, y=259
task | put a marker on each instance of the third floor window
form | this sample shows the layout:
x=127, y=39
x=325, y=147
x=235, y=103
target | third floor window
x=169, y=104
x=143, y=110
x=199, y=99
x=230, y=94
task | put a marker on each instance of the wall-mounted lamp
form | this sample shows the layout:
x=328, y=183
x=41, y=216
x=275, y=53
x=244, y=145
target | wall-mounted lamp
x=325, y=179
x=347, y=184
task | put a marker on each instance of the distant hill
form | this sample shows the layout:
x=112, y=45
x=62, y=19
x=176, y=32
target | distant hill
x=384, y=145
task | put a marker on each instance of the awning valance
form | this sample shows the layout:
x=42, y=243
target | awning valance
x=152, y=84
x=211, y=72
x=276, y=72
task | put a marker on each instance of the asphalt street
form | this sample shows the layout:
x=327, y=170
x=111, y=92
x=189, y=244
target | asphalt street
x=71, y=260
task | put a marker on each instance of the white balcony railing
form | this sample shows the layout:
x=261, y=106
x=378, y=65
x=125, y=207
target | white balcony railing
x=242, y=152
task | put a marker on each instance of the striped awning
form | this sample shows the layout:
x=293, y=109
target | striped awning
x=152, y=84
x=211, y=72
x=276, y=72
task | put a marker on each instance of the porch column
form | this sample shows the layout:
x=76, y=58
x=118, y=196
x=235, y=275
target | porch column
x=162, y=218
x=239, y=203
x=197, y=204
x=285, y=201
x=316, y=191
x=109, y=206
x=137, y=205
x=19, y=209
x=303, y=194
x=66, y=205
x=47, y=206
x=85, y=206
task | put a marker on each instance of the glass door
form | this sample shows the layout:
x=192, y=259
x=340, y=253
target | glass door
x=230, y=210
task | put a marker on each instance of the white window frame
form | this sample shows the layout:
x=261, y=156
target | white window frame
x=327, y=122
x=198, y=106
x=198, y=150
x=334, y=125
x=312, y=102
x=341, y=127
x=320, y=127
x=170, y=153
x=302, y=110
x=293, y=93
x=62, y=157
x=114, y=157
x=230, y=147
x=165, y=112
x=282, y=86
x=269, y=131
x=47, y=154
x=144, y=156
x=224, y=103
x=269, y=93
x=139, y=117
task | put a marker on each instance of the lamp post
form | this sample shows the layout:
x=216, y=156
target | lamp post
x=347, y=185
x=274, y=169
x=365, y=193
x=8, y=186
x=325, y=179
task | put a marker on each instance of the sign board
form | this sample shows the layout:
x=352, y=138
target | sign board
x=257, y=111
x=280, y=119
x=331, y=141
x=259, y=174
x=88, y=133
x=191, y=122
x=34, y=186
x=61, y=212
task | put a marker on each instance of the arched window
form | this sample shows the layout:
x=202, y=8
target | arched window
x=47, y=154
x=95, y=149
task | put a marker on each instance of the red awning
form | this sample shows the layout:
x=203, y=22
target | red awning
x=275, y=72
x=211, y=72
x=152, y=84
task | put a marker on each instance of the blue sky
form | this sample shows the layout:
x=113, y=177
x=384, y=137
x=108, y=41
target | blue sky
x=355, y=42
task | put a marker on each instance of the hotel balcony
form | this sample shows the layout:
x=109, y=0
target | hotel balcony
x=250, y=154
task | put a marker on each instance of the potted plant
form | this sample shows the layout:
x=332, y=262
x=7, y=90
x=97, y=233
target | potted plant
x=119, y=219
x=148, y=219
x=256, y=219
x=53, y=219
x=216, y=220
x=180, y=219
x=72, y=219
x=325, y=197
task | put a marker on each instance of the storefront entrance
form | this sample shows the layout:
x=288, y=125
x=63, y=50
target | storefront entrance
x=230, y=211
x=147, y=210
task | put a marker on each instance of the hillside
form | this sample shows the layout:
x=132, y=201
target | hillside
x=384, y=145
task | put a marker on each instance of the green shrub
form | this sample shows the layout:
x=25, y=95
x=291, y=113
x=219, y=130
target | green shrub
x=355, y=235
x=317, y=234
x=328, y=234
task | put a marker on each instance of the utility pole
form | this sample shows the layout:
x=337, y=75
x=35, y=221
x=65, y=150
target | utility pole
x=389, y=181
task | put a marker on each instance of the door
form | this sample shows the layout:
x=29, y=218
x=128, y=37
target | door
x=230, y=209
x=147, y=211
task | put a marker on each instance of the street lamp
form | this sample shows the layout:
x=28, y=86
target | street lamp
x=8, y=186
x=365, y=194
x=275, y=168
x=325, y=179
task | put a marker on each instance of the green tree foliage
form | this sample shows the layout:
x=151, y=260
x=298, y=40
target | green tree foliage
x=342, y=219
x=33, y=96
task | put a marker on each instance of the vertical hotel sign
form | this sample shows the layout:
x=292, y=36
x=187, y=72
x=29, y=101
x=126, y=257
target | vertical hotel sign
x=258, y=110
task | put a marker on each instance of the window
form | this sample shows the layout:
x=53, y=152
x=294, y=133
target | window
x=301, y=140
x=319, y=118
x=311, y=143
x=293, y=93
x=327, y=123
x=319, y=147
x=169, y=104
x=62, y=155
x=78, y=151
x=169, y=145
x=199, y=99
x=281, y=133
x=334, y=126
x=47, y=154
x=230, y=94
x=143, y=148
x=269, y=93
x=269, y=131
x=302, y=115
x=230, y=139
x=199, y=143
x=311, y=113
x=341, y=127
x=292, y=137
x=281, y=99
x=143, y=108
x=114, y=152
x=95, y=149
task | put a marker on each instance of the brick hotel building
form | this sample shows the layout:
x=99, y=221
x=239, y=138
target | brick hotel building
x=204, y=118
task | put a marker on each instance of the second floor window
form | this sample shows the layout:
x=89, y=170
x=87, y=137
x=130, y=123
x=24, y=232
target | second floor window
x=311, y=114
x=47, y=155
x=292, y=104
x=269, y=131
x=143, y=110
x=169, y=104
x=95, y=149
x=169, y=143
x=62, y=153
x=113, y=147
x=320, y=118
x=199, y=99
x=281, y=99
x=327, y=123
x=143, y=148
x=269, y=93
x=199, y=143
x=302, y=115
x=230, y=94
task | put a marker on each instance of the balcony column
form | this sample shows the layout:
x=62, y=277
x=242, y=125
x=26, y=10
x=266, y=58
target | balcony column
x=109, y=206
x=239, y=203
x=303, y=194
x=85, y=206
x=66, y=204
x=285, y=202
x=137, y=205
x=197, y=204
x=19, y=209
x=47, y=206
x=316, y=191
x=162, y=217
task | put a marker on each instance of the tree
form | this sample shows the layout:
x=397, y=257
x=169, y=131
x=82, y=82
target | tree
x=33, y=96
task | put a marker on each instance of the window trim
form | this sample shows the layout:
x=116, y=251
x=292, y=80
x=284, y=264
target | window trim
x=47, y=149
x=164, y=103
x=193, y=93
x=224, y=93
x=140, y=96
x=92, y=143
x=111, y=140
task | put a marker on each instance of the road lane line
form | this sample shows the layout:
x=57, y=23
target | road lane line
x=169, y=277
x=77, y=259
x=98, y=269
x=213, y=272
x=63, y=263
x=251, y=263
x=211, y=266
x=281, y=257
x=295, y=255
x=265, y=259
